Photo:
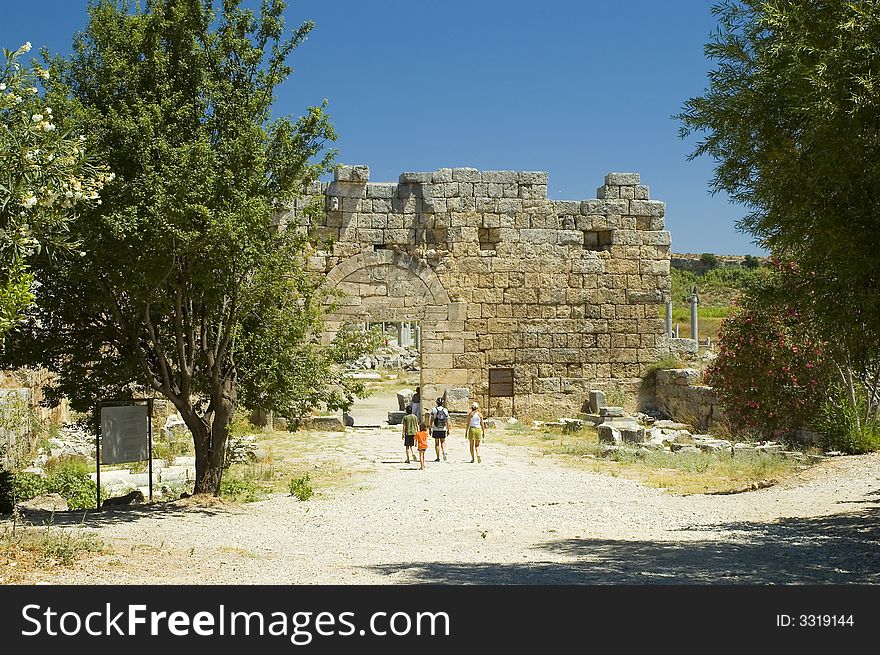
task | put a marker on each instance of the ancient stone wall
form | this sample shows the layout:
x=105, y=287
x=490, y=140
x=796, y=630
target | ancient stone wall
x=565, y=293
x=679, y=394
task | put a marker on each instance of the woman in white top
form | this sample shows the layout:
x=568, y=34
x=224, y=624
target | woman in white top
x=474, y=431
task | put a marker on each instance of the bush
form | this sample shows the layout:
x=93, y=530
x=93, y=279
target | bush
x=751, y=261
x=301, y=488
x=843, y=427
x=74, y=463
x=770, y=368
x=709, y=260
x=238, y=489
x=28, y=485
x=77, y=487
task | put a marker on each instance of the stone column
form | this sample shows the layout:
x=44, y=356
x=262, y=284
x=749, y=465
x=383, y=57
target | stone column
x=669, y=316
x=695, y=300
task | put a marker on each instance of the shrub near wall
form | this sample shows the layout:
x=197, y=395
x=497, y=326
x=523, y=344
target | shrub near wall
x=771, y=372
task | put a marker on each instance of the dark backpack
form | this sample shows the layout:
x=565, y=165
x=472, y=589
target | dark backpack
x=440, y=418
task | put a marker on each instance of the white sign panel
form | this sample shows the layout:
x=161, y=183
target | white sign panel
x=124, y=434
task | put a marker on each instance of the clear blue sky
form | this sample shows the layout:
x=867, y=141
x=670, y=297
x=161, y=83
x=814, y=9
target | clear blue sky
x=577, y=88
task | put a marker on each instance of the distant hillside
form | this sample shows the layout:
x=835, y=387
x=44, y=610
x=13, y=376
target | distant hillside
x=718, y=284
x=700, y=263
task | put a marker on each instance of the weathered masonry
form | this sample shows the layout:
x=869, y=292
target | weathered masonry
x=564, y=293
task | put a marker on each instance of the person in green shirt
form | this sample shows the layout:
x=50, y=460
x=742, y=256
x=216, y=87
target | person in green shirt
x=409, y=429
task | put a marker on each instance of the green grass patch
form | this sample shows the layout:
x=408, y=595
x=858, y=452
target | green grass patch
x=301, y=487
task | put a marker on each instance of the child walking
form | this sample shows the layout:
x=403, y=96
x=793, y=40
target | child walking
x=409, y=429
x=422, y=443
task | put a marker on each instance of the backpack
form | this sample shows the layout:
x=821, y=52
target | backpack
x=440, y=418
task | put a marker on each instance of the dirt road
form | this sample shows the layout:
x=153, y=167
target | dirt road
x=516, y=518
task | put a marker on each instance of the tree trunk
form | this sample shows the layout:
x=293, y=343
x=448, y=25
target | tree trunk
x=210, y=433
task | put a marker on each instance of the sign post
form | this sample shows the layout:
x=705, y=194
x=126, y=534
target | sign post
x=125, y=434
x=501, y=385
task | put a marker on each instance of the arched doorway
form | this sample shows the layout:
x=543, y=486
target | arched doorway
x=394, y=287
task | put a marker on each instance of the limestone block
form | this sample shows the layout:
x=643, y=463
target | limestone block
x=453, y=346
x=497, y=356
x=642, y=192
x=347, y=173
x=655, y=238
x=605, y=207
x=608, y=192
x=566, y=207
x=654, y=267
x=648, y=297
x=570, y=237
x=349, y=204
x=457, y=399
x=440, y=361
x=510, y=191
x=500, y=177
x=619, y=179
x=627, y=192
x=533, y=355
x=416, y=178
x=466, y=175
x=546, y=385
x=442, y=175
x=608, y=434
x=646, y=208
x=380, y=190
x=551, y=295
x=532, y=177
x=538, y=236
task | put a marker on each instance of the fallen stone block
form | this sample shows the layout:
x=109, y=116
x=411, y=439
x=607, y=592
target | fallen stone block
x=404, y=398
x=395, y=418
x=597, y=400
x=609, y=434
x=331, y=423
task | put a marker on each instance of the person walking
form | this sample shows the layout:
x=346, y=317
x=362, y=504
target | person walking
x=439, y=426
x=408, y=431
x=474, y=431
x=422, y=444
x=416, y=402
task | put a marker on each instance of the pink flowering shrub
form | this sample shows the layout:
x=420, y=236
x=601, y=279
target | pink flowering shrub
x=771, y=372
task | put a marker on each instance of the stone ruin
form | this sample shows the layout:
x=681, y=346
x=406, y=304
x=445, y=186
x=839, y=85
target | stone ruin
x=562, y=293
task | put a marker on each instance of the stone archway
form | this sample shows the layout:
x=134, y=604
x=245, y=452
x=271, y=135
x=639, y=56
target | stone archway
x=391, y=286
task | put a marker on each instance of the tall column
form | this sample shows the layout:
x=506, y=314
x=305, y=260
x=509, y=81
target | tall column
x=695, y=300
x=669, y=316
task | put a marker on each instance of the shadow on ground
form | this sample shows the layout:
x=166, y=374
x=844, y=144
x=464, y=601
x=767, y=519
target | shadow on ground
x=837, y=549
x=127, y=514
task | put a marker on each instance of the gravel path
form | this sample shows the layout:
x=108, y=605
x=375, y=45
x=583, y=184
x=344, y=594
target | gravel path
x=516, y=518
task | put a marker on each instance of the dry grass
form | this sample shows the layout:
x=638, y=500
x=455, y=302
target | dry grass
x=26, y=551
x=681, y=473
x=323, y=456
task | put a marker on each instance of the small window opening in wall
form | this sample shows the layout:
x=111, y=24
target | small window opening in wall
x=598, y=239
x=489, y=237
x=381, y=246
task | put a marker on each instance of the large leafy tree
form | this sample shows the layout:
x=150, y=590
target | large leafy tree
x=792, y=117
x=185, y=286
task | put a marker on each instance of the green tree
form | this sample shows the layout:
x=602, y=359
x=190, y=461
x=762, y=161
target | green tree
x=44, y=177
x=792, y=118
x=187, y=287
